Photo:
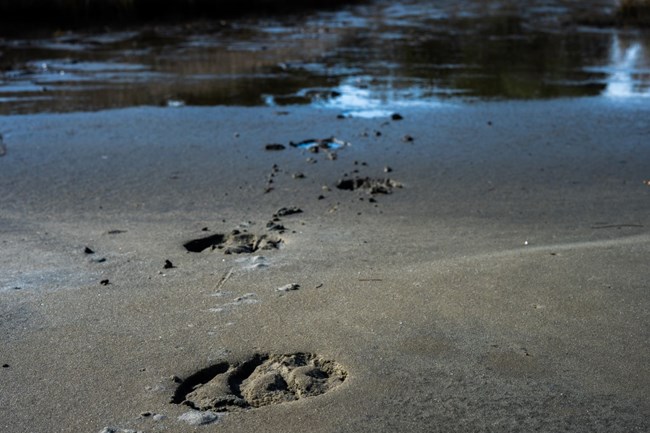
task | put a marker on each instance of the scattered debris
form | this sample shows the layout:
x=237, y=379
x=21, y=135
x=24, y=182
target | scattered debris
x=288, y=287
x=275, y=146
x=168, y=265
x=88, y=251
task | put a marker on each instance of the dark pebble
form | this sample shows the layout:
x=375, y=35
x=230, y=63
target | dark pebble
x=5, y=365
x=274, y=146
x=168, y=265
x=88, y=251
x=104, y=282
x=396, y=116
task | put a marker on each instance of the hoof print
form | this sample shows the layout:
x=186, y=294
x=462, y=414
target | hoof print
x=235, y=242
x=370, y=185
x=259, y=381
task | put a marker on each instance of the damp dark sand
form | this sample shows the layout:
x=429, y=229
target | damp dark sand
x=503, y=287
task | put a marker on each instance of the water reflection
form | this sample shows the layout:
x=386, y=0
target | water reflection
x=629, y=70
x=360, y=59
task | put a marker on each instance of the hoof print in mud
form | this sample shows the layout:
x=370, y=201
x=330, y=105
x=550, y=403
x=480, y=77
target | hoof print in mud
x=259, y=381
x=235, y=242
x=370, y=185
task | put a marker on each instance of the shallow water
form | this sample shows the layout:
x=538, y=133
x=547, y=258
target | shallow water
x=361, y=59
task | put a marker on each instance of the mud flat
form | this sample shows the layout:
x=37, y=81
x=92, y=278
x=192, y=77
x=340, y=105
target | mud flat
x=495, y=277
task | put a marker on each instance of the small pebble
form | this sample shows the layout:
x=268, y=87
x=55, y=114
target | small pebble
x=88, y=251
x=168, y=265
x=288, y=287
x=387, y=169
x=194, y=417
x=396, y=116
x=104, y=282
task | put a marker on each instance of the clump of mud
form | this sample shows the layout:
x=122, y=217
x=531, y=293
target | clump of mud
x=259, y=381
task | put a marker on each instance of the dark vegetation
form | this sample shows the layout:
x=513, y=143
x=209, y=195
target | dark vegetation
x=53, y=13
x=633, y=12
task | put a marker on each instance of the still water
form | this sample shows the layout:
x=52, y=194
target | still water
x=361, y=57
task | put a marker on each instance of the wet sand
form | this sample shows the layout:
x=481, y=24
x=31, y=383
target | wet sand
x=502, y=287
